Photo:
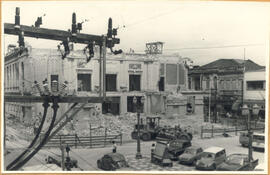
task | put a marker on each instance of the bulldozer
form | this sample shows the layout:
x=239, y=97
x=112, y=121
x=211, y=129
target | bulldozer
x=152, y=130
x=149, y=130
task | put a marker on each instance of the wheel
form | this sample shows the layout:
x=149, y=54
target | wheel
x=134, y=135
x=146, y=137
x=99, y=164
x=214, y=166
x=194, y=162
x=49, y=160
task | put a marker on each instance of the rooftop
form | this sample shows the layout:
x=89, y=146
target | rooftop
x=213, y=149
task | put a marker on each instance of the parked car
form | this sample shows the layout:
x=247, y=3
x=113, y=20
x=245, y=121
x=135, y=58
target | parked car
x=190, y=155
x=211, y=158
x=257, y=140
x=177, y=147
x=112, y=161
x=57, y=159
x=238, y=162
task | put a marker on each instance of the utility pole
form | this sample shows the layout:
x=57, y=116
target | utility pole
x=62, y=156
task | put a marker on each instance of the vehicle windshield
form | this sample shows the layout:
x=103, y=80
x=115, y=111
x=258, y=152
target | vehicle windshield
x=235, y=159
x=208, y=155
x=190, y=151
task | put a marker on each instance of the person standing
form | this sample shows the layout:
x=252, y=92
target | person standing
x=114, y=147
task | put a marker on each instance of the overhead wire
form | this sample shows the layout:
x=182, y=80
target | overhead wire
x=36, y=158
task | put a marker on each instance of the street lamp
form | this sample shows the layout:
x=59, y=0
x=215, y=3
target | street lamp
x=245, y=112
x=138, y=109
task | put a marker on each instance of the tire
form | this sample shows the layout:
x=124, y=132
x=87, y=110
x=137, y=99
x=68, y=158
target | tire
x=134, y=135
x=99, y=164
x=49, y=161
x=214, y=166
x=194, y=162
x=146, y=137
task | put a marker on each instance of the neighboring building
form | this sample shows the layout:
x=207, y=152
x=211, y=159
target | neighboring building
x=127, y=75
x=254, y=89
x=223, y=81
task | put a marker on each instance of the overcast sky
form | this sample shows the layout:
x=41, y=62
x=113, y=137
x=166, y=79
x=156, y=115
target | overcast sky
x=203, y=31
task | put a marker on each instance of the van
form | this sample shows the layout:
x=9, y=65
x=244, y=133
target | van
x=211, y=158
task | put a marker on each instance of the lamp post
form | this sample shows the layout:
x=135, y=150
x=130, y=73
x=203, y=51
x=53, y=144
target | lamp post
x=138, y=109
x=245, y=112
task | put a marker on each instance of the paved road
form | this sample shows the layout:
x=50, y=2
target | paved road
x=87, y=158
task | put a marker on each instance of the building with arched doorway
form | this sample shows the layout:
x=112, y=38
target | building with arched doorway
x=221, y=84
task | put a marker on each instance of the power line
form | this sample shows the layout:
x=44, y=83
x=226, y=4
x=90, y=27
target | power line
x=147, y=19
x=215, y=47
x=210, y=47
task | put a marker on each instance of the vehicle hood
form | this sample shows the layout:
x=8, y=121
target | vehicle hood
x=116, y=157
x=228, y=167
x=185, y=156
x=205, y=161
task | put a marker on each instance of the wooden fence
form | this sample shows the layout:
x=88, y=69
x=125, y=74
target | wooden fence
x=235, y=129
x=89, y=141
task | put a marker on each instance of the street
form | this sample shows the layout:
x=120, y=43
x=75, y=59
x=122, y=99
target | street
x=87, y=158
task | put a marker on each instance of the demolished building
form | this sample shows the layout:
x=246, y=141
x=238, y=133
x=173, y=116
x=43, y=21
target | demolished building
x=159, y=77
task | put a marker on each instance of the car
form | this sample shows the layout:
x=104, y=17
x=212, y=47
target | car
x=258, y=140
x=211, y=158
x=190, y=155
x=176, y=147
x=57, y=159
x=238, y=162
x=112, y=161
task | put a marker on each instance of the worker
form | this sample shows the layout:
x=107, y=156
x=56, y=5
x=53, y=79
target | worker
x=152, y=150
x=114, y=147
x=67, y=150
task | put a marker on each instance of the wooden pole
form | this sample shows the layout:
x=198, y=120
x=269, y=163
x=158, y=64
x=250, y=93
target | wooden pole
x=105, y=135
x=100, y=70
x=90, y=136
x=201, y=132
x=212, y=130
x=62, y=156
x=104, y=65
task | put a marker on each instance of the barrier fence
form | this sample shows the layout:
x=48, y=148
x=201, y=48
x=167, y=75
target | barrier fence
x=90, y=141
x=234, y=129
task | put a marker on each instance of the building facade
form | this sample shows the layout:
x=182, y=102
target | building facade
x=127, y=75
x=221, y=83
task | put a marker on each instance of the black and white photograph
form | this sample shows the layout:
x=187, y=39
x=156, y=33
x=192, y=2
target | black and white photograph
x=135, y=86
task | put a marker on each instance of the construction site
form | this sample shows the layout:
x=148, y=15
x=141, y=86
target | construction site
x=100, y=108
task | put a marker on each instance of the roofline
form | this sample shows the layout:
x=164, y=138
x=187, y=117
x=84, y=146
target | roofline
x=213, y=148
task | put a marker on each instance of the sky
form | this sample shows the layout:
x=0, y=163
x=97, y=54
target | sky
x=201, y=30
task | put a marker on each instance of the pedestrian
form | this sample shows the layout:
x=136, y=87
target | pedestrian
x=114, y=147
x=153, y=148
x=67, y=150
